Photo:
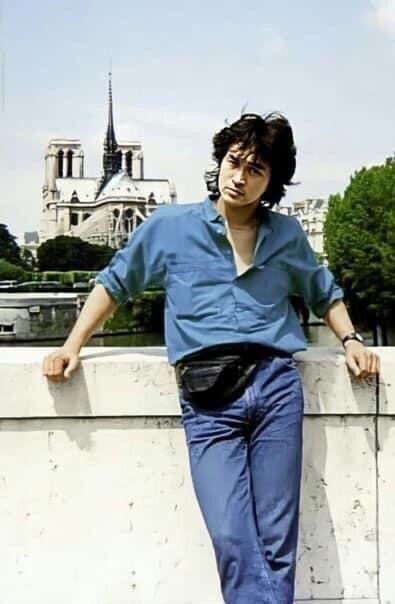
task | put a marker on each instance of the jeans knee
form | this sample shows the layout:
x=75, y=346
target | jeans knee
x=227, y=541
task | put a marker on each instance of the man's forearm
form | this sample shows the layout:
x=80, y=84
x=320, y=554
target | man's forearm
x=338, y=319
x=98, y=307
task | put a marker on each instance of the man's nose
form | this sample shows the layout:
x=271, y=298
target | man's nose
x=238, y=177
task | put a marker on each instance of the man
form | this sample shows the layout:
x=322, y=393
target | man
x=229, y=265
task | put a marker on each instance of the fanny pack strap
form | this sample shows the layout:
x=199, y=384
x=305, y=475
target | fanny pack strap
x=246, y=350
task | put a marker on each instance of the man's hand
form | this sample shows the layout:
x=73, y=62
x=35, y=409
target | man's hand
x=362, y=362
x=61, y=364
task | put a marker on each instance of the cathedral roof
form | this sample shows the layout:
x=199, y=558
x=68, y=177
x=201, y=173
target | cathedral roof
x=161, y=187
x=120, y=185
x=84, y=187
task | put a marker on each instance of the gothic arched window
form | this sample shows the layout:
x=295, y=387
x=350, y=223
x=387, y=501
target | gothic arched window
x=74, y=219
x=129, y=163
x=60, y=163
x=128, y=220
x=69, y=172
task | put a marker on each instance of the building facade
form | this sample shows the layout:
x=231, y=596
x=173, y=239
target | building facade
x=100, y=210
x=311, y=213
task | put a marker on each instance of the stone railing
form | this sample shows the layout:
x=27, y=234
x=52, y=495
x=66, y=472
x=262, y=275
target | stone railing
x=97, y=504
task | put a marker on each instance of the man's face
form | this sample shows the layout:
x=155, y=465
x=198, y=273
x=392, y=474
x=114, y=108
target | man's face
x=242, y=179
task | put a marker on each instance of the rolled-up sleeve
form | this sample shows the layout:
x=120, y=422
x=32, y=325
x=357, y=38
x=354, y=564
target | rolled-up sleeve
x=137, y=265
x=312, y=280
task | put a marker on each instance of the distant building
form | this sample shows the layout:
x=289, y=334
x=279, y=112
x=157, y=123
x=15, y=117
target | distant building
x=31, y=237
x=101, y=210
x=34, y=316
x=31, y=242
x=311, y=213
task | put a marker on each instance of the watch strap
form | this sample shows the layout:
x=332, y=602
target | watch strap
x=352, y=336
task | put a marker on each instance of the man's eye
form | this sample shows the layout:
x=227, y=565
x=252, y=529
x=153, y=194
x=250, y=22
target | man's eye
x=255, y=170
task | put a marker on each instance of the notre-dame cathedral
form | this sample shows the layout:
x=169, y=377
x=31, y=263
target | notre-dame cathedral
x=101, y=210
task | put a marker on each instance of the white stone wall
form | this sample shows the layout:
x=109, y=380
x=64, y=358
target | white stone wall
x=97, y=504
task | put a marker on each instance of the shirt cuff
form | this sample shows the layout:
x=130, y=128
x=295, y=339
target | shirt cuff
x=320, y=308
x=117, y=294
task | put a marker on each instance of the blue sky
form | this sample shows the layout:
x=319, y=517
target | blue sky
x=179, y=71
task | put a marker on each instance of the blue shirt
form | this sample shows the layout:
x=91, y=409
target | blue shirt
x=184, y=248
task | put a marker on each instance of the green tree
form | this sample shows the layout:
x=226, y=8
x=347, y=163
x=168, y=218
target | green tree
x=359, y=239
x=28, y=261
x=9, y=271
x=72, y=253
x=9, y=249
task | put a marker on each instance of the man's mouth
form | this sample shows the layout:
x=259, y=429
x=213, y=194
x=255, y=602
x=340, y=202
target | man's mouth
x=235, y=191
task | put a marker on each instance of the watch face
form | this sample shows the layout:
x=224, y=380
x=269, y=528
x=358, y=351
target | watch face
x=353, y=336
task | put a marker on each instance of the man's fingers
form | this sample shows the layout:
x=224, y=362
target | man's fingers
x=45, y=366
x=362, y=361
x=56, y=378
x=58, y=365
x=353, y=366
x=72, y=366
x=53, y=367
x=374, y=364
x=364, y=365
x=50, y=366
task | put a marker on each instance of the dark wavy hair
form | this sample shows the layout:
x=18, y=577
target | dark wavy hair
x=270, y=137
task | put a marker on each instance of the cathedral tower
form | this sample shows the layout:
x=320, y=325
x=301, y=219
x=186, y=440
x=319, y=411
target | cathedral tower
x=64, y=158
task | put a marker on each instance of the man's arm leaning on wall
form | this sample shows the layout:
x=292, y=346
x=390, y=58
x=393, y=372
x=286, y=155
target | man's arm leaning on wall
x=338, y=319
x=362, y=361
x=98, y=307
x=131, y=269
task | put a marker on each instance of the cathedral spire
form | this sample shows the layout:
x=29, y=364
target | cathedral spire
x=112, y=156
x=110, y=142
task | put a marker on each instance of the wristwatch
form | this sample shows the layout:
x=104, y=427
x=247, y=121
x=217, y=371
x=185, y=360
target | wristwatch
x=352, y=336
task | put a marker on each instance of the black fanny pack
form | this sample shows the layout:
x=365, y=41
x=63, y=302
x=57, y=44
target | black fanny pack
x=218, y=375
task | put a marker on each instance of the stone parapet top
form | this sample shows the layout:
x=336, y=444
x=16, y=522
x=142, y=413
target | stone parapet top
x=139, y=381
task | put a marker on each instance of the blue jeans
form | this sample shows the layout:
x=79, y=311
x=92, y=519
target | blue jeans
x=245, y=459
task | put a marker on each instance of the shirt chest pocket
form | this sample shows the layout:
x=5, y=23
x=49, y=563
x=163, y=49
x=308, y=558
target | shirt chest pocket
x=192, y=289
x=267, y=286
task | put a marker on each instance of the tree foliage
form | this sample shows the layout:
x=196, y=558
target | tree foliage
x=9, y=249
x=9, y=271
x=359, y=236
x=72, y=253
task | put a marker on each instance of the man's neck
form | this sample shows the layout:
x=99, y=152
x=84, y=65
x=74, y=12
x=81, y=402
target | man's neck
x=238, y=216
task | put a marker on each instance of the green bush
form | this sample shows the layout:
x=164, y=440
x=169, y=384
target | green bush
x=121, y=319
x=82, y=275
x=10, y=271
x=67, y=277
x=143, y=313
x=52, y=276
x=32, y=276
